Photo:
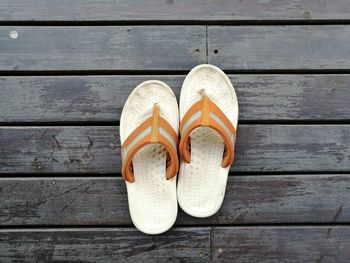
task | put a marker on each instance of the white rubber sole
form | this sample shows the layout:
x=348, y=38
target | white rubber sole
x=152, y=198
x=202, y=182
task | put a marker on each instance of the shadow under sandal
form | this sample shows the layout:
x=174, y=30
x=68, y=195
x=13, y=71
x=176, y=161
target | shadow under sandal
x=149, y=136
x=209, y=116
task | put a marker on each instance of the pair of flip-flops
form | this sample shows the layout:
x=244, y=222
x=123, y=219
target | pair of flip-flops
x=149, y=129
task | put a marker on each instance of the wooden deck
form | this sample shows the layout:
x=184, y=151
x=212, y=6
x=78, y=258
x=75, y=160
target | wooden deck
x=66, y=69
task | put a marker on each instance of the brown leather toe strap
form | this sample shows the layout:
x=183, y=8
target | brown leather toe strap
x=206, y=113
x=154, y=130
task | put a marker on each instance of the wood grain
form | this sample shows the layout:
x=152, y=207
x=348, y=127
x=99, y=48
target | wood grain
x=60, y=150
x=228, y=244
x=259, y=148
x=148, y=47
x=281, y=244
x=102, y=48
x=286, y=97
x=172, y=10
x=104, y=245
x=279, y=47
x=61, y=195
x=102, y=201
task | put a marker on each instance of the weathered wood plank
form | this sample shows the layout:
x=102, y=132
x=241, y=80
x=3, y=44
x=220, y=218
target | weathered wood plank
x=104, y=245
x=279, y=47
x=218, y=244
x=170, y=10
x=60, y=149
x=282, y=199
x=102, y=48
x=101, y=98
x=271, y=148
x=248, y=200
x=281, y=244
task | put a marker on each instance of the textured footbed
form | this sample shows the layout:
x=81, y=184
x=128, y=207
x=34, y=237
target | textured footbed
x=152, y=198
x=202, y=182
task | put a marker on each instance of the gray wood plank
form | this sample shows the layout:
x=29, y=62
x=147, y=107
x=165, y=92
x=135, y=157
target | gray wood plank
x=101, y=98
x=282, y=199
x=60, y=149
x=103, y=201
x=170, y=10
x=218, y=244
x=281, y=244
x=279, y=47
x=102, y=48
x=103, y=245
x=269, y=148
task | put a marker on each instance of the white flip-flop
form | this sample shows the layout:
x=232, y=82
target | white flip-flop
x=149, y=136
x=209, y=116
